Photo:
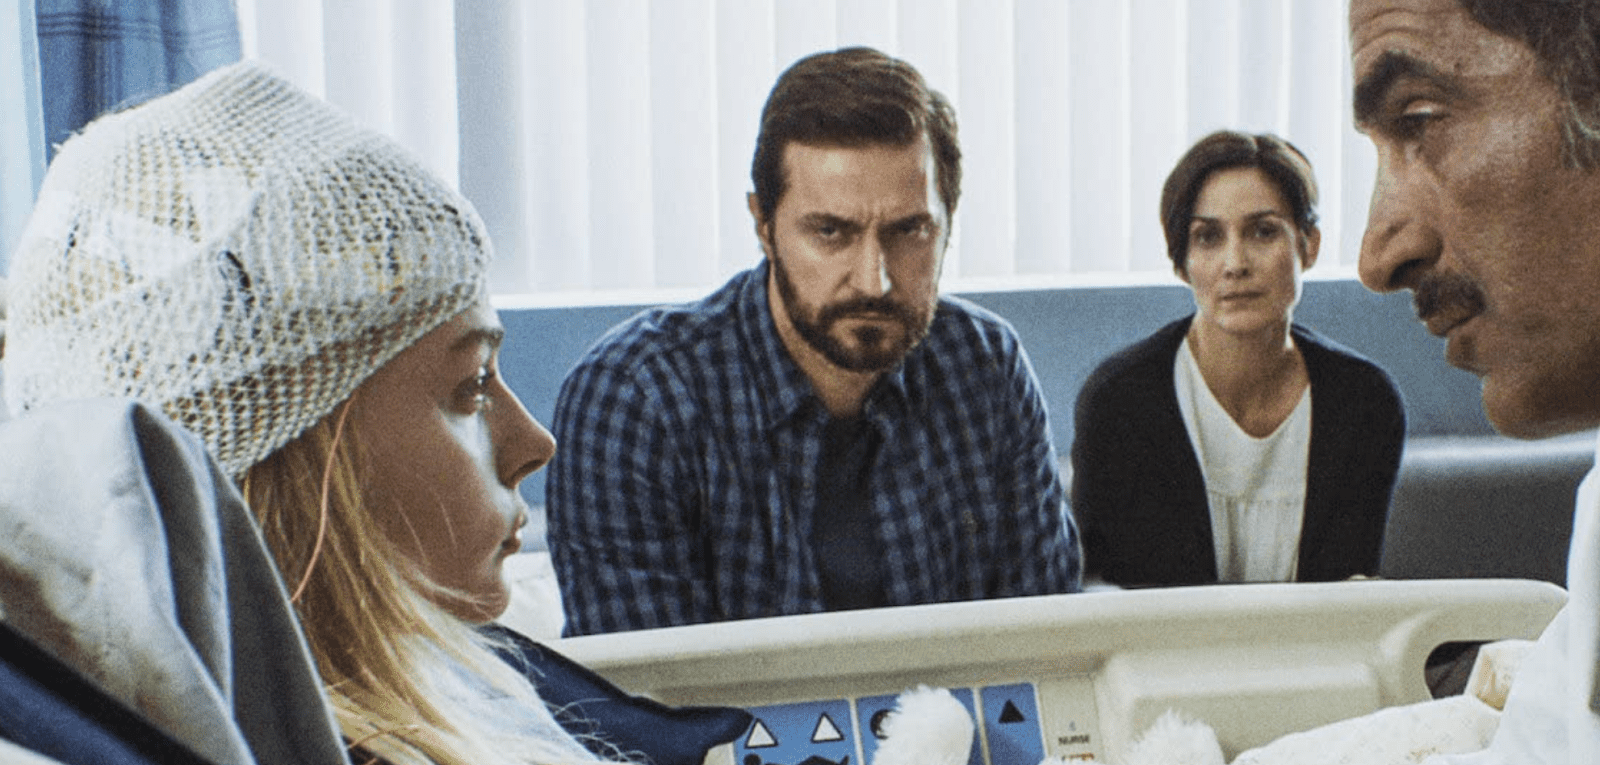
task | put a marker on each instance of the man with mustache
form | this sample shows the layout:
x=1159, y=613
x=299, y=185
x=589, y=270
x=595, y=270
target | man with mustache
x=1486, y=118
x=825, y=431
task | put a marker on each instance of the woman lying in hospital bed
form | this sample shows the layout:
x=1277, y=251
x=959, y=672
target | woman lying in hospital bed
x=303, y=296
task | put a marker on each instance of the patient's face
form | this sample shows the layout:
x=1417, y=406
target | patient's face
x=447, y=444
x=1245, y=255
x=1476, y=211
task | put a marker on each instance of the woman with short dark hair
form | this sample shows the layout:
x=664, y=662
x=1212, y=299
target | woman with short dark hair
x=1235, y=445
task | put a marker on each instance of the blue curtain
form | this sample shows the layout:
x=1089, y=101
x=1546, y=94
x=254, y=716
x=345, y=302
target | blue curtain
x=21, y=126
x=96, y=56
x=76, y=60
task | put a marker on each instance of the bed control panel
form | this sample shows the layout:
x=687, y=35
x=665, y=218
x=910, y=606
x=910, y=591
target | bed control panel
x=1074, y=676
x=840, y=730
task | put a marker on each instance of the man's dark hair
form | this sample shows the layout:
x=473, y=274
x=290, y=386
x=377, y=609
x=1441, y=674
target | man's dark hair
x=1565, y=35
x=853, y=97
x=1288, y=168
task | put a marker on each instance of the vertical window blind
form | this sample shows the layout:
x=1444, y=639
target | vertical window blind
x=607, y=143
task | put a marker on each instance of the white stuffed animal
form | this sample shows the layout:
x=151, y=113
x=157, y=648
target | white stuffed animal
x=927, y=727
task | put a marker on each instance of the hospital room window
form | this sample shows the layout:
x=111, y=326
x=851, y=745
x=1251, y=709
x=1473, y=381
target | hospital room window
x=607, y=143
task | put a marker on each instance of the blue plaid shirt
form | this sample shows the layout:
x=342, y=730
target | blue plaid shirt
x=684, y=484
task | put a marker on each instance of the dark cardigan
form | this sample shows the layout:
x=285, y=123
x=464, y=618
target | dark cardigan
x=1139, y=496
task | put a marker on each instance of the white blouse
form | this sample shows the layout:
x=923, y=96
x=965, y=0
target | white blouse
x=1256, y=486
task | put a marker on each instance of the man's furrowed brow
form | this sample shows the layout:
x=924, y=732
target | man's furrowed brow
x=1372, y=91
x=827, y=219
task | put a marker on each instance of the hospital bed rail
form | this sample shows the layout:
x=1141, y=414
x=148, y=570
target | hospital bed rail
x=1076, y=675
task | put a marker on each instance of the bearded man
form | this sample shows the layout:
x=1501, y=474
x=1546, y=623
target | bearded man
x=825, y=431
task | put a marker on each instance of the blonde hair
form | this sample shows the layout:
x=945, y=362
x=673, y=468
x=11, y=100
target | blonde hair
x=396, y=666
x=245, y=256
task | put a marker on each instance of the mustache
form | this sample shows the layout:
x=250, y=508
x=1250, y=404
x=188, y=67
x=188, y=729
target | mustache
x=882, y=305
x=1437, y=293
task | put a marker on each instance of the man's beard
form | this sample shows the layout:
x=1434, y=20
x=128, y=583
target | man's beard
x=875, y=349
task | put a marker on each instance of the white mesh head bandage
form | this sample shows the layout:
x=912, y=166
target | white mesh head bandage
x=237, y=252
